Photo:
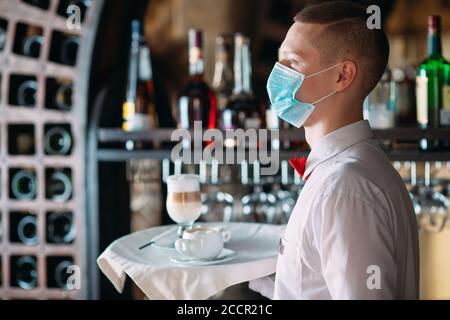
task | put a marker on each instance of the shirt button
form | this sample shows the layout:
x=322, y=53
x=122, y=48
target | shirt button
x=281, y=247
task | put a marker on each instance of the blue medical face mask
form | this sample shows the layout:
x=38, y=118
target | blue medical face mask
x=282, y=85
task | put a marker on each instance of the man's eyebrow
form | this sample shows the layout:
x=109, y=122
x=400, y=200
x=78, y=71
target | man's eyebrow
x=296, y=53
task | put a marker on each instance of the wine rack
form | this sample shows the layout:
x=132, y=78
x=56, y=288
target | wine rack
x=44, y=70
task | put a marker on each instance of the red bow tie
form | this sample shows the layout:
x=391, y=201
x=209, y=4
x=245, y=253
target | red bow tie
x=299, y=165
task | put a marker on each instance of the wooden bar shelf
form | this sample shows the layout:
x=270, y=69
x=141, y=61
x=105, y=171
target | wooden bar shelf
x=163, y=135
x=408, y=134
x=118, y=155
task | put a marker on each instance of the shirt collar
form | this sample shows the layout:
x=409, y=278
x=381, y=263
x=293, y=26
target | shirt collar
x=337, y=141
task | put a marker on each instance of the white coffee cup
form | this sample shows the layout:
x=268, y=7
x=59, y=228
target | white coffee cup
x=202, y=242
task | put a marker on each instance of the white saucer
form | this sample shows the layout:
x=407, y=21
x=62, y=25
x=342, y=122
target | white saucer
x=224, y=256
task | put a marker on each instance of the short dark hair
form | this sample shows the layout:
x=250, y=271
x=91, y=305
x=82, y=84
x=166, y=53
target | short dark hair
x=346, y=35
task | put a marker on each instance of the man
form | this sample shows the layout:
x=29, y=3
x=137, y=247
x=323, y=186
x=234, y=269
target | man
x=352, y=233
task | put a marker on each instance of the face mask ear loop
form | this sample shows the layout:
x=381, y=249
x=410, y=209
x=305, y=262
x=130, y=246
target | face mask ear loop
x=329, y=68
x=297, y=87
x=321, y=99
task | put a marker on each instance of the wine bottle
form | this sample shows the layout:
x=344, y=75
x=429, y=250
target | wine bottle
x=69, y=50
x=403, y=86
x=433, y=87
x=32, y=43
x=23, y=184
x=223, y=71
x=58, y=272
x=58, y=185
x=26, y=93
x=139, y=109
x=27, y=230
x=145, y=95
x=196, y=101
x=64, y=48
x=25, y=271
x=21, y=139
x=28, y=40
x=132, y=120
x=2, y=36
x=60, y=228
x=62, y=274
x=63, y=96
x=58, y=94
x=57, y=140
x=242, y=110
x=381, y=108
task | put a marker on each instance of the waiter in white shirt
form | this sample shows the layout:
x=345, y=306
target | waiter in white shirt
x=352, y=233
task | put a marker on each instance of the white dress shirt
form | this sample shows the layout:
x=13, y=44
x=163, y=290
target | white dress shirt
x=353, y=232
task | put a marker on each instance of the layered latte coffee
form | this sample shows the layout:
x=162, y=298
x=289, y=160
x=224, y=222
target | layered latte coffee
x=183, y=198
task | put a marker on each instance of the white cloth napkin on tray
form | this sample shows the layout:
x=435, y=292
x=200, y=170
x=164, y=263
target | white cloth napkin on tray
x=158, y=277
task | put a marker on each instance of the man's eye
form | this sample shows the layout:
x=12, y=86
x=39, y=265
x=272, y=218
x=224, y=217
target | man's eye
x=293, y=62
x=285, y=62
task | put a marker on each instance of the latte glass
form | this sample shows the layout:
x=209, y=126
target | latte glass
x=183, y=203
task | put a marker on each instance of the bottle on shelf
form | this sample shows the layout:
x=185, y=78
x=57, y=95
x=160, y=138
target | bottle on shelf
x=145, y=98
x=58, y=272
x=139, y=110
x=25, y=228
x=59, y=94
x=242, y=111
x=23, y=184
x=64, y=48
x=403, y=91
x=69, y=50
x=379, y=106
x=129, y=106
x=22, y=90
x=28, y=40
x=62, y=274
x=25, y=272
x=433, y=88
x=32, y=42
x=60, y=228
x=63, y=97
x=26, y=93
x=21, y=139
x=223, y=71
x=58, y=184
x=196, y=101
x=57, y=140
x=3, y=34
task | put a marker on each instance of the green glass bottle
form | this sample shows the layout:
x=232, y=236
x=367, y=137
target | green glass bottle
x=433, y=88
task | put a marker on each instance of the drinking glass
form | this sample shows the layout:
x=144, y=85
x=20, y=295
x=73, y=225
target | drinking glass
x=183, y=203
x=257, y=206
x=414, y=191
x=216, y=204
x=434, y=205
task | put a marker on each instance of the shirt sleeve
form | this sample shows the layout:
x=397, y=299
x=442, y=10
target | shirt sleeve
x=356, y=248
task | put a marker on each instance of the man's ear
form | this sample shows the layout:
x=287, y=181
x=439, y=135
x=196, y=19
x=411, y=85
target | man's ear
x=346, y=76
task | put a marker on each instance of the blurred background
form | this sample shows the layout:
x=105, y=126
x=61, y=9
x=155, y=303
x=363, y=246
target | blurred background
x=88, y=101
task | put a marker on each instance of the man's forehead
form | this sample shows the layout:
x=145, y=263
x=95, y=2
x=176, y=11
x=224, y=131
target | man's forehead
x=310, y=28
x=300, y=37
